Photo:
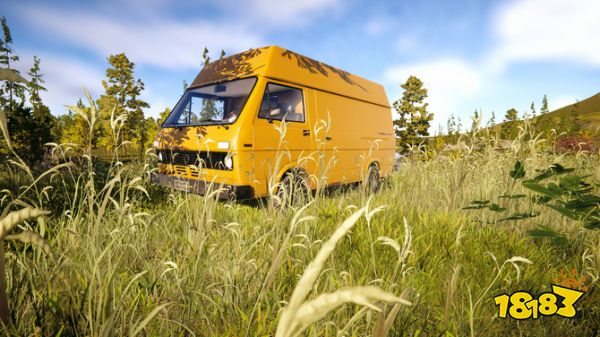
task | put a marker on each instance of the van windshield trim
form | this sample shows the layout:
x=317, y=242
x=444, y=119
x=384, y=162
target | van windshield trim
x=168, y=124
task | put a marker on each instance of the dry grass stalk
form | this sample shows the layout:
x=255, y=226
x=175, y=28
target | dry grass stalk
x=4, y=128
x=16, y=217
x=450, y=294
x=33, y=239
x=315, y=309
x=299, y=314
x=384, y=322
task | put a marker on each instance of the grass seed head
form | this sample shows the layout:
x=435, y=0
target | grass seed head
x=16, y=217
x=33, y=239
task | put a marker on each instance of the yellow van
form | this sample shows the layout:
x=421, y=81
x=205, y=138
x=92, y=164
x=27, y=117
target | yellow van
x=266, y=118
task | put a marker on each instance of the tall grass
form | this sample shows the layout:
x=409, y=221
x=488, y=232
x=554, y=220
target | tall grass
x=128, y=261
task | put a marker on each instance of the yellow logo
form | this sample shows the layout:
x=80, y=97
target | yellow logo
x=523, y=305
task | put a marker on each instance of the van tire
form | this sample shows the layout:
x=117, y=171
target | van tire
x=293, y=190
x=373, y=182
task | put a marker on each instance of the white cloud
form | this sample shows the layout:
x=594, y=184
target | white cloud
x=546, y=30
x=164, y=43
x=522, y=31
x=158, y=102
x=449, y=82
x=283, y=14
x=406, y=43
x=378, y=24
x=65, y=79
x=155, y=37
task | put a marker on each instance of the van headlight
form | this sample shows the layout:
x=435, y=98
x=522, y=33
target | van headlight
x=228, y=162
x=156, y=144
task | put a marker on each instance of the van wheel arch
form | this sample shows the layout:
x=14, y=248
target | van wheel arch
x=299, y=179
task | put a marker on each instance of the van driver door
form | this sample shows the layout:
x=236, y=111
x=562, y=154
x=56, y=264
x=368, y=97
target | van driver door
x=282, y=135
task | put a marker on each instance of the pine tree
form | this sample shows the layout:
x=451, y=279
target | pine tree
x=122, y=93
x=414, y=118
x=544, y=108
x=209, y=110
x=510, y=126
x=43, y=121
x=205, y=57
x=222, y=54
x=533, y=112
x=30, y=126
x=451, y=127
x=10, y=90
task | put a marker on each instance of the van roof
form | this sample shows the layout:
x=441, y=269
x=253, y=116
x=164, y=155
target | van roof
x=283, y=64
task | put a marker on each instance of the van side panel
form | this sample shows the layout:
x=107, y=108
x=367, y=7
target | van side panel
x=360, y=133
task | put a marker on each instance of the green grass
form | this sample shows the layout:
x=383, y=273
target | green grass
x=132, y=258
x=187, y=265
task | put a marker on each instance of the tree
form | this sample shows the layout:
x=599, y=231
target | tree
x=163, y=116
x=476, y=121
x=205, y=57
x=209, y=110
x=153, y=126
x=43, y=121
x=121, y=96
x=451, y=127
x=544, y=108
x=10, y=90
x=413, y=121
x=31, y=127
x=510, y=126
x=533, y=112
x=76, y=130
x=439, y=142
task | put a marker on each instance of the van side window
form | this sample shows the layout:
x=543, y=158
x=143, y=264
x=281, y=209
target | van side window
x=281, y=102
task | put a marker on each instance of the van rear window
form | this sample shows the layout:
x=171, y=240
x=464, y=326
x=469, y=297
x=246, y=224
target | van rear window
x=281, y=102
x=212, y=104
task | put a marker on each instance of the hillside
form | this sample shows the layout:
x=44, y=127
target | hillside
x=585, y=113
x=580, y=117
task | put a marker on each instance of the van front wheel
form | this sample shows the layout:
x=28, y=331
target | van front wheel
x=373, y=183
x=293, y=190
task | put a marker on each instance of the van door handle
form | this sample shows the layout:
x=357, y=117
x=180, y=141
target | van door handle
x=328, y=138
x=306, y=132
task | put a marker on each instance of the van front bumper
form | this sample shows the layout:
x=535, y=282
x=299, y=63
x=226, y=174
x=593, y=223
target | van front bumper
x=200, y=187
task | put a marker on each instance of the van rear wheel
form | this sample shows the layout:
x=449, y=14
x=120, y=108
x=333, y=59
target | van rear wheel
x=373, y=183
x=293, y=190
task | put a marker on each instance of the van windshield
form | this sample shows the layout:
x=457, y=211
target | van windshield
x=219, y=103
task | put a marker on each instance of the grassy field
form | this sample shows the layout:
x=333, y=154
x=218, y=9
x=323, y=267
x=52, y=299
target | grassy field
x=165, y=263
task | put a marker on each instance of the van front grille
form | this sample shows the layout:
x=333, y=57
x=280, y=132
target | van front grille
x=209, y=160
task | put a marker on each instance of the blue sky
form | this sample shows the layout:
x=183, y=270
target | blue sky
x=488, y=55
